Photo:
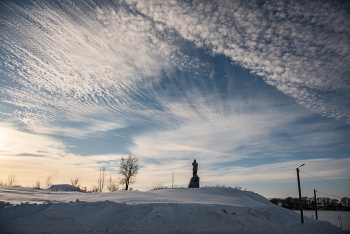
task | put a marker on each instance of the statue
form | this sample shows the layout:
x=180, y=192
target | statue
x=194, y=182
x=195, y=167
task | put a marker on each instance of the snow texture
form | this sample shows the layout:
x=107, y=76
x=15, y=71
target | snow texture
x=190, y=210
x=337, y=218
x=64, y=188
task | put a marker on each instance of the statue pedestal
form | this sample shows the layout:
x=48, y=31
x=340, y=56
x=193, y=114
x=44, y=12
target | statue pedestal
x=194, y=182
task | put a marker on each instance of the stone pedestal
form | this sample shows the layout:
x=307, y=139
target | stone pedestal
x=194, y=182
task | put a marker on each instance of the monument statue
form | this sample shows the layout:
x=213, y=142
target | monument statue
x=194, y=182
x=195, y=167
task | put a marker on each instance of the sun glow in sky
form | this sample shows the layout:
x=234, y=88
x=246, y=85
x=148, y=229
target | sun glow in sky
x=250, y=89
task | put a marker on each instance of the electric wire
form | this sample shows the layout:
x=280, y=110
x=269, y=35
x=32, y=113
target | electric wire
x=325, y=180
x=328, y=194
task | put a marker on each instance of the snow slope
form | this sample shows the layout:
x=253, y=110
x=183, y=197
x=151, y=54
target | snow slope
x=64, y=188
x=332, y=217
x=196, y=210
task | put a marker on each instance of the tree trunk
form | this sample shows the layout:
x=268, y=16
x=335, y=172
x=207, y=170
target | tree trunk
x=126, y=186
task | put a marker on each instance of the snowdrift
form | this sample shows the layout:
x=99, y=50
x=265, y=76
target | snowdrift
x=64, y=188
x=196, y=210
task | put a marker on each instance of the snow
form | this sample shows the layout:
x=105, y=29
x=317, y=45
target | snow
x=64, y=188
x=195, y=210
x=332, y=217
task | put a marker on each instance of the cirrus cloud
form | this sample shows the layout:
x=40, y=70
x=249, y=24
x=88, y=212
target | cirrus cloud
x=301, y=48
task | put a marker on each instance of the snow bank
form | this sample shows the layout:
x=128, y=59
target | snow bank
x=64, y=188
x=337, y=218
x=203, y=210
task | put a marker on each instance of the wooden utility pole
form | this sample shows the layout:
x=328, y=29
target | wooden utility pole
x=315, y=204
x=300, y=202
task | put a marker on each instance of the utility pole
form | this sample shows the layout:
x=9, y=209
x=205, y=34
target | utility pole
x=315, y=204
x=300, y=202
x=172, y=183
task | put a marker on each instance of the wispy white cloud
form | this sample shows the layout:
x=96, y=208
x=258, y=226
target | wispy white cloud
x=302, y=48
x=325, y=168
x=208, y=128
x=73, y=62
x=84, y=68
x=14, y=142
x=250, y=176
x=83, y=60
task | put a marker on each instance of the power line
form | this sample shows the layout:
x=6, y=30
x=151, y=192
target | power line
x=328, y=194
x=325, y=180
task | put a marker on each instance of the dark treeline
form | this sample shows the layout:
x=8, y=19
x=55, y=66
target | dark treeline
x=308, y=203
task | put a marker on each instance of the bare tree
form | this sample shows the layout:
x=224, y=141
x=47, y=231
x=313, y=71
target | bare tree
x=75, y=182
x=128, y=168
x=158, y=185
x=48, y=182
x=37, y=184
x=111, y=186
x=101, y=180
x=12, y=180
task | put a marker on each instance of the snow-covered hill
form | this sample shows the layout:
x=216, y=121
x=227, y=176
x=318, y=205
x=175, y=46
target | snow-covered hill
x=64, y=188
x=196, y=210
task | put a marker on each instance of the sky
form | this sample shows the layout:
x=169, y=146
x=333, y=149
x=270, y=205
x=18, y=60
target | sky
x=250, y=89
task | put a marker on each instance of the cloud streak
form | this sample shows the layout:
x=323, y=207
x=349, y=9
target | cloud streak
x=83, y=59
x=14, y=142
x=300, y=48
x=76, y=60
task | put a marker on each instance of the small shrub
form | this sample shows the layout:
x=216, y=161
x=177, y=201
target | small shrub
x=12, y=180
x=158, y=185
x=95, y=189
x=37, y=184
x=75, y=182
x=48, y=182
x=111, y=185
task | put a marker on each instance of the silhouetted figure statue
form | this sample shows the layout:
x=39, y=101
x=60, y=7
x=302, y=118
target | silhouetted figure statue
x=194, y=182
x=195, y=167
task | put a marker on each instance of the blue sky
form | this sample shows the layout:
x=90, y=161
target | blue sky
x=251, y=89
